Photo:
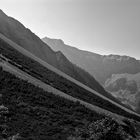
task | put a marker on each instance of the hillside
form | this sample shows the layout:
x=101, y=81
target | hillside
x=99, y=66
x=28, y=112
x=41, y=70
x=15, y=31
x=40, y=102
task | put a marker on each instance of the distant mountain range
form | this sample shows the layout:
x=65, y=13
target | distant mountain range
x=99, y=66
x=103, y=68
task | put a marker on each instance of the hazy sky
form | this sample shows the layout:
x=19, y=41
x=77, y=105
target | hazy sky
x=100, y=26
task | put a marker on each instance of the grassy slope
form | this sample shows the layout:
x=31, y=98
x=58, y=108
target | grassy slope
x=34, y=114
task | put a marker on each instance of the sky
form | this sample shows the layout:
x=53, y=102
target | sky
x=100, y=26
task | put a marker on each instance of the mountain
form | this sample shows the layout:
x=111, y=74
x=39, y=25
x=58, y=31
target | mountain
x=125, y=87
x=106, y=69
x=15, y=31
x=100, y=66
x=23, y=61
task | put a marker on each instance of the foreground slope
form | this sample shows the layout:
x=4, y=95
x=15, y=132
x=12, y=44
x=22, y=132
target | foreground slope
x=15, y=31
x=28, y=112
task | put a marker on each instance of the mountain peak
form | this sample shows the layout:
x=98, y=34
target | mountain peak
x=2, y=13
x=61, y=41
x=57, y=41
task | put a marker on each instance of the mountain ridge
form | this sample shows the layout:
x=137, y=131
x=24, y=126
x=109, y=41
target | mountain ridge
x=103, y=67
x=96, y=63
